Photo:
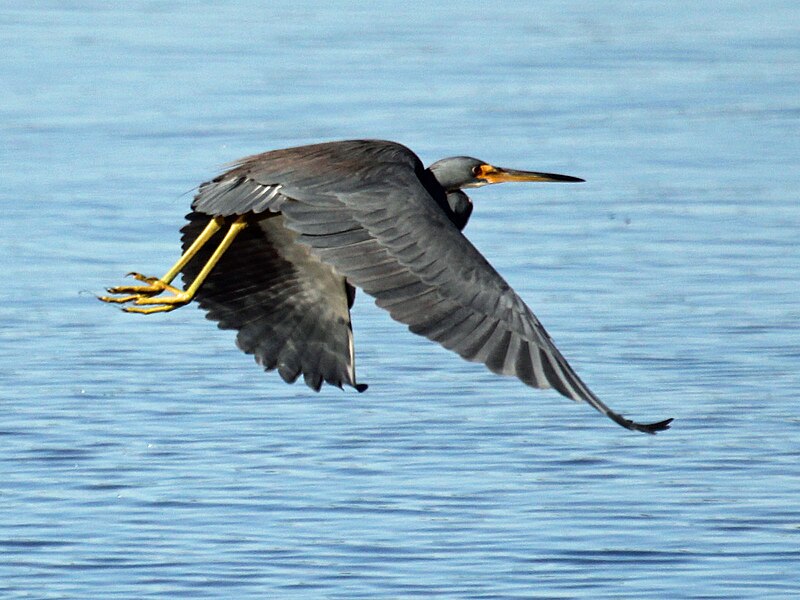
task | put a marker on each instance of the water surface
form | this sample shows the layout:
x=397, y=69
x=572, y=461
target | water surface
x=148, y=458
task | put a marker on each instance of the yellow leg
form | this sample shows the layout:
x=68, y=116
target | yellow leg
x=157, y=285
x=178, y=297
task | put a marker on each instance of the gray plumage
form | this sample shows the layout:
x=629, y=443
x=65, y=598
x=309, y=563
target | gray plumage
x=365, y=213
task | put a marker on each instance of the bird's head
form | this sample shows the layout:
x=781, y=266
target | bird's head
x=461, y=172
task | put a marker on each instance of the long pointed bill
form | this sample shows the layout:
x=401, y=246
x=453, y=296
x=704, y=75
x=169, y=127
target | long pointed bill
x=497, y=175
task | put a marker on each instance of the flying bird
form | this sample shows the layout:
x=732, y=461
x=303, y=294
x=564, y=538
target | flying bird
x=275, y=247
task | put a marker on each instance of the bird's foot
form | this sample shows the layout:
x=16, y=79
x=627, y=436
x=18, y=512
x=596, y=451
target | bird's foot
x=154, y=286
x=147, y=295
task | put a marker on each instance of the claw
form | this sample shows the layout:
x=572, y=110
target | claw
x=155, y=286
x=116, y=299
x=145, y=294
x=178, y=298
x=148, y=296
x=156, y=304
x=145, y=290
x=152, y=309
x=140, y=277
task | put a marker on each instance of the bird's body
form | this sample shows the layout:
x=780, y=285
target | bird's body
x=275, y=247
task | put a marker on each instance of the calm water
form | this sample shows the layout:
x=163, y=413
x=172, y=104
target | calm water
x=145, y=457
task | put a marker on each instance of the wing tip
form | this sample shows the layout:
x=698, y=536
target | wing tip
x=651, y=428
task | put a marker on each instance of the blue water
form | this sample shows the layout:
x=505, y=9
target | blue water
x=145, y=457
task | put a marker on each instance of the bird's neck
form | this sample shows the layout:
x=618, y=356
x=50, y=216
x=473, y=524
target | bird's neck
x=453, y=202
x=460, y=208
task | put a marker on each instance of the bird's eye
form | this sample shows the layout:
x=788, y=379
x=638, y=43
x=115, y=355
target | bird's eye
x=476, y=171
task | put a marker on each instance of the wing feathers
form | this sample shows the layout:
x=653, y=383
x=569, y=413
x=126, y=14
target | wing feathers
x=362, y=208
x=290, y=310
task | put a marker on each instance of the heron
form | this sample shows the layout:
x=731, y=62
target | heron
x=276, y=246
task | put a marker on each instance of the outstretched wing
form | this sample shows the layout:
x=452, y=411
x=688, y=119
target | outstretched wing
x=291, y=310
x=371, y=211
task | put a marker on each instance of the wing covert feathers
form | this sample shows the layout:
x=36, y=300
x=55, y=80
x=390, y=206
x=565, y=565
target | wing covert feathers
x=368, y=212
